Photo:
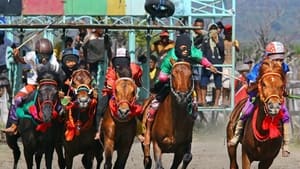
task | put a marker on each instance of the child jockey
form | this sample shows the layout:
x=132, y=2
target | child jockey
x=183, y=51
x=42, y=56
x=119, y=62
x=274, y=51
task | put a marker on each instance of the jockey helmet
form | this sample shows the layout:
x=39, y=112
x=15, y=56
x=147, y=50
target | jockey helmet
x=275, y=50
x=70, y=54
x=43, y=50
x=121, y=57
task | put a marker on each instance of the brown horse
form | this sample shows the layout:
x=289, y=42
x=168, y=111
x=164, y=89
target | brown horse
x=80, y=127
x=119, y=125
x=262, y=137
x=172, y=128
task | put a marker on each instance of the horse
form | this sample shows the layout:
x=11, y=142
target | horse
x=172, y=128
x=39, y=122
x=262, y=137
x=80, y=122
x=119, y=127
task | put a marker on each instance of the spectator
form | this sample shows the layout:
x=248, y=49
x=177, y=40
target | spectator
x=220, y=27
x=228, y=43
x=162, y=46
x=213, y=50
x=154, y=70
x=249, y=62
x=199, y=35
x=4, y=45
x=240, y=86
x=94, y=54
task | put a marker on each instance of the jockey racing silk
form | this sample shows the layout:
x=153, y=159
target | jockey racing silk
x=31, y=59
x=111, y=76
x=166, y=66
x=253, y=74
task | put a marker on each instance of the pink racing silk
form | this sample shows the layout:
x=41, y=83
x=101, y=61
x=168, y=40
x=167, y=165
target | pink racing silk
x=205, y=62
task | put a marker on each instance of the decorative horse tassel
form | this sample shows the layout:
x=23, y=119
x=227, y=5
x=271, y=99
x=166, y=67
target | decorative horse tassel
x=43, y=127
x=70, y=132
x=271, y=124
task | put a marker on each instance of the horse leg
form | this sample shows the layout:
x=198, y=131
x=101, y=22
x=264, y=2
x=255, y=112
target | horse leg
x=187, y=158
x=122, y=156
x=60, y=155
x=87, y=160
x=157, y=155
x=68, y=160
x=265, y=164
x=28, y=158
x=147, y=157
x=49, y=157
x=12, y=142
x=177, y=160
x=98, y=151
x=38, y=158
x=108, y=152
x=246, y=163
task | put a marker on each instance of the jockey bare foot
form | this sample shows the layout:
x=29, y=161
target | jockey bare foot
x=11, y=130
x=285, y=153
x=141, y=138
x=97, y=136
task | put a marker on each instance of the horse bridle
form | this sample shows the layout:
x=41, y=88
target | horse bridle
x=265, y=100
x=83, y=87
x=41, y=104
x=179, y=95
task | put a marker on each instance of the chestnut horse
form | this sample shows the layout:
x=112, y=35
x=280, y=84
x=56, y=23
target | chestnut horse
x=119, y=124
x=80, y=122
x=262, y=137
x=172, y=128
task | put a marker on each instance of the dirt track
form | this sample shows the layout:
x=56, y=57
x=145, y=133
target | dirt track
x=209, y=152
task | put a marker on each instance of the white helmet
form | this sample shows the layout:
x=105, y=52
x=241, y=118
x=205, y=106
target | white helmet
x=275, y=50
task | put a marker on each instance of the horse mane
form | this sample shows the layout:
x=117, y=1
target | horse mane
x=51, y=75
x=82, y=79
x=269, y=66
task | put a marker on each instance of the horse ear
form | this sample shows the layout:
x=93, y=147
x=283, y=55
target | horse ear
x=172, y=61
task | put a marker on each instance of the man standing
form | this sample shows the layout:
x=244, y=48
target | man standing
x=198, y=37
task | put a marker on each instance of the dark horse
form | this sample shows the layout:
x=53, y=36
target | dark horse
x=38, y=124
x=119, y=125
x=173, y=125
x=262, y=137
x=80, y=127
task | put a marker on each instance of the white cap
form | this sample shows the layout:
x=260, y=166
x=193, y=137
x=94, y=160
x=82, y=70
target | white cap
x=121, y=52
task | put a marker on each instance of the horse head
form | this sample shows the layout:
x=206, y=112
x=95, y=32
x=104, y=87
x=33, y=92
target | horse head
x=181, y=82
x=47, y=96
x=125, y=95
x=271, y=85
x=81, y=82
